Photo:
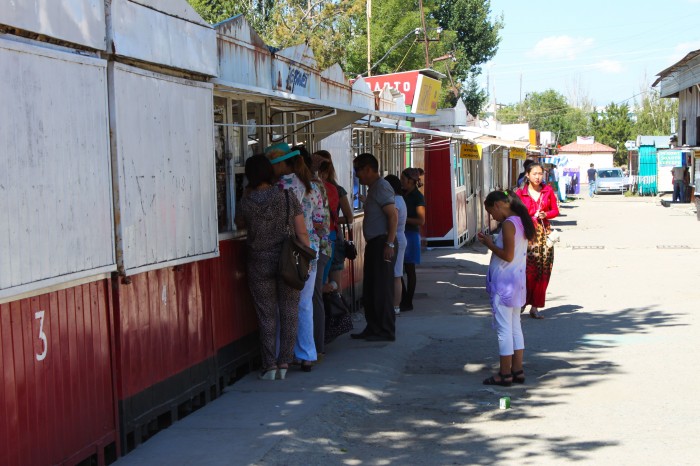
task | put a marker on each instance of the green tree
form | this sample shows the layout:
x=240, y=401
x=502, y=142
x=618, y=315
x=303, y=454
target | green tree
x=548, y=111
x=257, y=12
x=336, y=31
x=654, y=114
x=613, y=127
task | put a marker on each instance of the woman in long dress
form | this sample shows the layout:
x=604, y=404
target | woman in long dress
x=541, y=203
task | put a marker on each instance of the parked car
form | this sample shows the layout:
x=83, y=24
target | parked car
x=610, y=180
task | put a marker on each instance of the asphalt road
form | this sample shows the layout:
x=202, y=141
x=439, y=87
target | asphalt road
x=611, y=377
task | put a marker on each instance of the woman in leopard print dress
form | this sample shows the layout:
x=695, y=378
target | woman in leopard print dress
x=267, y=216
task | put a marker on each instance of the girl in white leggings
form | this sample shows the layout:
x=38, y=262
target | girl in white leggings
x=505, y=281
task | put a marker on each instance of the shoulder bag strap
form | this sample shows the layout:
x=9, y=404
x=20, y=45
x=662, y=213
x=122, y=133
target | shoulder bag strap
x=288, y=221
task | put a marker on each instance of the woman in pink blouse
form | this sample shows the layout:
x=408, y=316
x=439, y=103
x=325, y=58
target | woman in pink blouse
x=541, y=203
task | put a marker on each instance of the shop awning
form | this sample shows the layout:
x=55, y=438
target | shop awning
x=410, y=129
x=342, y=115
x=492, y=137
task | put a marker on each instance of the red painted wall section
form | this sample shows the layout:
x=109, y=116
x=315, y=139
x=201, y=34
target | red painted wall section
x=438, y=192
x=224, y=282
x=161, y=327
x=56, y=398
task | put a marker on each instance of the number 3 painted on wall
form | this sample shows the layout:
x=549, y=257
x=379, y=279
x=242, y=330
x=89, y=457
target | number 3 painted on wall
x=42, y=336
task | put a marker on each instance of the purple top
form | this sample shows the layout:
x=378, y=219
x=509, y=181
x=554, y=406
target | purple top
x=507, y=279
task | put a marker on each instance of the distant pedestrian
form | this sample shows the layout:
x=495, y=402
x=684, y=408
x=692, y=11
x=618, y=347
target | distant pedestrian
x=521, y=176
x=541, y=203
x=379, y=229
x=591, y=180
x=506, y=283
x=415, y=207
x=677, y=173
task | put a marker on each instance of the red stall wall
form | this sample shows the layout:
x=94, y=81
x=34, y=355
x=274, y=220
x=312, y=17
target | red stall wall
x=225, y=284
x=438, y=192
x=57, y=399
x=161, y=327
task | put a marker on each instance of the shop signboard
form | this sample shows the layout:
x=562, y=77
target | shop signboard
x=404, y=82
x=470, y=151
x=427, y=95
x=517, y=153
x=571, y=176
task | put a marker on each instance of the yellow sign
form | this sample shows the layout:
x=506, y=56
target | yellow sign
x=470, y=151
x=515, y=153
x=427, y=95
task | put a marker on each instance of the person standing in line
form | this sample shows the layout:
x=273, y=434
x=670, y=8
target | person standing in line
x=686, y=184
x=591, y=180
x=395, y=183
x=294, y=176
x=505, y=281
x=327, y=223
x=678, y=175
x=326, y=171
x=415, y=207
x=541, y=203
x=266, y=217
x=379, y=229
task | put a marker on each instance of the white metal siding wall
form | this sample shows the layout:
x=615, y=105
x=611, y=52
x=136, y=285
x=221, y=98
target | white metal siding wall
x=162, y=151
x=77, y=21
x=150, y=35
x=55, y=198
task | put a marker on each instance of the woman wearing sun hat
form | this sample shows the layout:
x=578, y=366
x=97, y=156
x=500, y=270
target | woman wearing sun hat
x=293, y=175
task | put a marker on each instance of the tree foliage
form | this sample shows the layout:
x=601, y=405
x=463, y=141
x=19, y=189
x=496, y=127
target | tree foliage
x=336, y=31
x=654, y=114
x=613, y=127
x=548, y=111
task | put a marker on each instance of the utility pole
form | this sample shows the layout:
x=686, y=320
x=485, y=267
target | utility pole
x=425, y=34
x=369, y=46
x=520, y=105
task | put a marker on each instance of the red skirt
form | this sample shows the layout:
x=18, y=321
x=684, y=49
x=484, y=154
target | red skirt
x=540, y=260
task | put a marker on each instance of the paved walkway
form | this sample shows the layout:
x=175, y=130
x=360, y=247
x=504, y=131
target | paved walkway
x=611, y=370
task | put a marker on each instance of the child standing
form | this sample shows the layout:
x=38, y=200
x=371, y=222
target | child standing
x=505, y=281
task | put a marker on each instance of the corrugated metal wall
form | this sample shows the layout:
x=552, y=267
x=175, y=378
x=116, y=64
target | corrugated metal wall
x=55, y=178
x=77, y=21
x=56, y=397
x=163, y=145
x=155, y=34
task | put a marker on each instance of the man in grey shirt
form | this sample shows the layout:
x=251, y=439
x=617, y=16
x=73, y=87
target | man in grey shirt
x=379, y=229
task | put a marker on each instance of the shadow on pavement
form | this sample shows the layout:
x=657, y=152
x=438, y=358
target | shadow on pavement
x=433, y=413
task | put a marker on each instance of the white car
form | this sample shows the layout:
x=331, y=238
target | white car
x=609, y=180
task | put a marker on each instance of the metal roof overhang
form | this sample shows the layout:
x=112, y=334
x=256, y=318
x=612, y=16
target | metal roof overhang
x=490, y=137
x=342, y=116
x=410, y=129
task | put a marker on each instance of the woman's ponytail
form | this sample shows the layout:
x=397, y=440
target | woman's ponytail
x=517, y=206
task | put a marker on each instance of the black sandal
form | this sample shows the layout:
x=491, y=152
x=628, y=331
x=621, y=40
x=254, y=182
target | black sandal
x=518, y=376
x=503, y=382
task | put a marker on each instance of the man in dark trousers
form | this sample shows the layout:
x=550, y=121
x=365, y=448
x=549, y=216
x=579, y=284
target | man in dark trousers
x=591, y=181
x=379, y=229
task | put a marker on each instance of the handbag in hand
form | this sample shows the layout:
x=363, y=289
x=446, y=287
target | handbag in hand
x=295, y=260
x=349, y=245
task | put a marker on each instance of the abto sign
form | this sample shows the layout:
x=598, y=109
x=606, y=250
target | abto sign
x=404, y=82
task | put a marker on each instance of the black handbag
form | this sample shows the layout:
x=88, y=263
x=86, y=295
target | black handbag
x=348, y=245
x=338, y=316
x=334, y=304
x=295, y=260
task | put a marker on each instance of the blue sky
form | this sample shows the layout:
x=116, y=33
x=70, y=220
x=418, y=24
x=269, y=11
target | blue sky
x=603, y=50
